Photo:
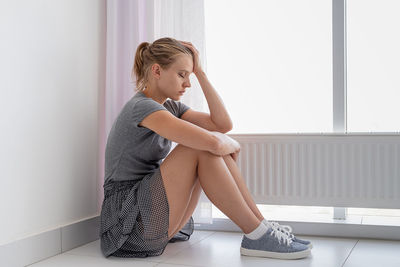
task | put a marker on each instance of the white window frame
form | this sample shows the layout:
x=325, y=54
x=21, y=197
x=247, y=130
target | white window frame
x=339, y=58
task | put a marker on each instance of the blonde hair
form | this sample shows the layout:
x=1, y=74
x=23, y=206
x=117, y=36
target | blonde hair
x=163, y=51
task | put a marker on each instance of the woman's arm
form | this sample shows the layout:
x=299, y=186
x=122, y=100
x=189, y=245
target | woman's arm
x=219, y=114
x=226, y=145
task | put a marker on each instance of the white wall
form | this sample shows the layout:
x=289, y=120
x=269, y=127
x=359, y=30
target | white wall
x=52, y=76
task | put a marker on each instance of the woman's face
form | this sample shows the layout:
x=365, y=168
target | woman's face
x=174, y=81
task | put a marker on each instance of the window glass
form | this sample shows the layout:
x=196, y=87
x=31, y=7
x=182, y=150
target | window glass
x=373, y=56
x=271, y=62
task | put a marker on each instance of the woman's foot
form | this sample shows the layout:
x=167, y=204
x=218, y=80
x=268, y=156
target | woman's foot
x=288, y=231
x=274, y=244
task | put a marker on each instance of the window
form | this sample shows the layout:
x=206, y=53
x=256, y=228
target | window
x=271, y=62
x=373, y=83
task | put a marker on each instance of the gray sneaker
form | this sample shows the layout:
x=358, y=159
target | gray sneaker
x=288, y=230
x=274, y=244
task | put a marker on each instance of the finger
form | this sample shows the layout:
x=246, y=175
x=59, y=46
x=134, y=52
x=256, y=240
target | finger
x=187, y=43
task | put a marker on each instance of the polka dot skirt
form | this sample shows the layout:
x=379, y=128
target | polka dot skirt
x=134, y=218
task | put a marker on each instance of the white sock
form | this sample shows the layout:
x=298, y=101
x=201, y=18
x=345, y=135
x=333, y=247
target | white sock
x=265, y=221
x=258, y=232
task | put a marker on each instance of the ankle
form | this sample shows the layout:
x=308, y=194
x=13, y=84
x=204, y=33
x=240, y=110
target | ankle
x=258, y=232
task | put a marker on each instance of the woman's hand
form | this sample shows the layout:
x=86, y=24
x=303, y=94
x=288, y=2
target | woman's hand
x=226, y=144
x=196, y=61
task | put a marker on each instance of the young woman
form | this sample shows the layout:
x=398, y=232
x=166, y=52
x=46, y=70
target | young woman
x=149, y=196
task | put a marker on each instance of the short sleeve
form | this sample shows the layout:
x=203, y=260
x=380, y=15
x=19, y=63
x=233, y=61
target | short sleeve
x=176, y=107
x=143, y=108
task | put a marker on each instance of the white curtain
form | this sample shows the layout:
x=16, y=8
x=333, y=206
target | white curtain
x=130, y=22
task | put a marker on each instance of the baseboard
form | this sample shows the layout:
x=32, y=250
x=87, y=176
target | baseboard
x=38, y=247
x=345, y=230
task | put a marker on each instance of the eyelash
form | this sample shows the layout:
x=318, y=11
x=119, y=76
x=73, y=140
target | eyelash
x=181, y=75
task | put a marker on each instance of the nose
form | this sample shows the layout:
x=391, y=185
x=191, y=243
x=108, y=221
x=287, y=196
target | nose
x=187, y=83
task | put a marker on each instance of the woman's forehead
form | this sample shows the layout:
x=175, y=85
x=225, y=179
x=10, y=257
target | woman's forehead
x=184, y=62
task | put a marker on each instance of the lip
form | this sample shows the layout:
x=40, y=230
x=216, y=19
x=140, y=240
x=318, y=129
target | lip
x=181, y=92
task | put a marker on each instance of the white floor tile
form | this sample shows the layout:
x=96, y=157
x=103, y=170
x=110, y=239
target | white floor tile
x=90, y=249
x=208, y=248
x=223, y=249
x=93, y=248
x=383, y=253
x=68, y=260
x=173, y=248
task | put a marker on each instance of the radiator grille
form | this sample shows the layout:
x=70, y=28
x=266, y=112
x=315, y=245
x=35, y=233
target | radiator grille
x=321, y=170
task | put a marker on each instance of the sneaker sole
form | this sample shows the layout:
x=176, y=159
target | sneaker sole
x=275, y=255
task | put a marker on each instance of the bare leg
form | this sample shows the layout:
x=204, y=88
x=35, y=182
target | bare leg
x=180, y=171
x=235, y=172
x=220, y=187
x=194, y=199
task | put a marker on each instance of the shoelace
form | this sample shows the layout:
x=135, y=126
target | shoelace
x=285, y=229
x=279, y=234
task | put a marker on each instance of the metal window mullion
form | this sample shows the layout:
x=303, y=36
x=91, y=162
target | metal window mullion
x=339, y=66
x=339, y=59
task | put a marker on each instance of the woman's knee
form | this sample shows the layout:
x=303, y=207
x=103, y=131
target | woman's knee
x=192, y=150
x=207, y=155
x=197, y=154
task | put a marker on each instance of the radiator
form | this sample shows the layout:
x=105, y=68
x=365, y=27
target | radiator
x=336, y=170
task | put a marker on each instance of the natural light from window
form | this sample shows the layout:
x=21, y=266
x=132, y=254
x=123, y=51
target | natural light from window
x=271, y=62
x=373, y=56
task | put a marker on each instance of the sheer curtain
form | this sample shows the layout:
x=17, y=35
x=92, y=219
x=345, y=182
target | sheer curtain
x=130, y=22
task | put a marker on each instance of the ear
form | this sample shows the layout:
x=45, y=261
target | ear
x=156, y=70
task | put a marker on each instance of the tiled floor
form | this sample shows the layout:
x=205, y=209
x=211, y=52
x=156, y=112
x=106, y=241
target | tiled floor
x=208, y=248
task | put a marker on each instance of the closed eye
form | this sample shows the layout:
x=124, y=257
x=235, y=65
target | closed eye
x=181, y=75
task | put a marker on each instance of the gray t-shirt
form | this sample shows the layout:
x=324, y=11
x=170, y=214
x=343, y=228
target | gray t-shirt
x=133, y=151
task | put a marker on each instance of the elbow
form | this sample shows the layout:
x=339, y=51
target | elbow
x=226, y=128
x=229, y=126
